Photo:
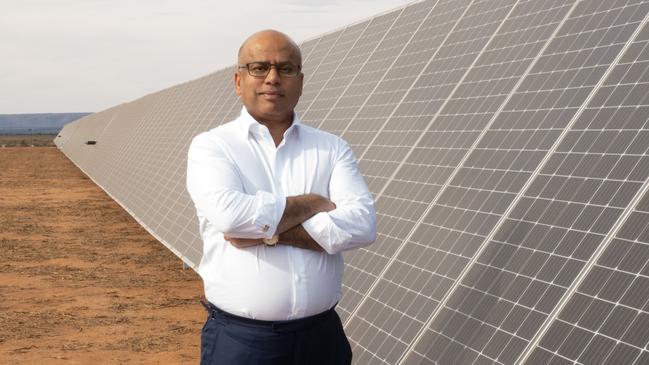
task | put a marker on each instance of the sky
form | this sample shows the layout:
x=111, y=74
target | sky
x=62, y=56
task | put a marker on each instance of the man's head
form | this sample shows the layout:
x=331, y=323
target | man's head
x=270, y=98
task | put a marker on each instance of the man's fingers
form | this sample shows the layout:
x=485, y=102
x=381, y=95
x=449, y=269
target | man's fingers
x=243, y=242
x=240, y=244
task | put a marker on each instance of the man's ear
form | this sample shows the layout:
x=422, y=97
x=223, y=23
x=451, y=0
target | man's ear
x=301, y=82
x=237, y=83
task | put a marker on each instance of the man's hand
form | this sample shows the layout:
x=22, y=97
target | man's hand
x=296, y=237
x=243, y=242
x=299, y=237
x=298, y=209
x=302, y=207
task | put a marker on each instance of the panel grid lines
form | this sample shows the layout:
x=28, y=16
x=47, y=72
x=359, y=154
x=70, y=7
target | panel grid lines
x=433, y=56
x=601, y=249
x=507, y=145
x=449, y=339
x=640, y=349
x=456, y=86
x=161, y=160
x=356, y=344
x=365, y=99
x=361, y=157
x=306, y=55
x=344, y=58
x=510, y=333
x=618, y=224
x=385, y=74
x=378, y=196
x=501, y=108
x=320, y=57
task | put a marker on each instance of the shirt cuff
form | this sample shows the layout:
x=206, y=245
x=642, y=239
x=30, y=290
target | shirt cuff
x=326, y=233
x=268, y=214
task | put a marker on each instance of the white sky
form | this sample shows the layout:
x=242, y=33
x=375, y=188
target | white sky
x=88, y=55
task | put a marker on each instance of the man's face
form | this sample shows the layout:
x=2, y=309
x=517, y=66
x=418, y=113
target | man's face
x=269, y=99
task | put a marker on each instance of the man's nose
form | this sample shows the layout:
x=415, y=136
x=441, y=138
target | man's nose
x=273, y=76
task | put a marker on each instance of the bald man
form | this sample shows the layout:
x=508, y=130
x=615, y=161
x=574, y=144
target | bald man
x=277, y=202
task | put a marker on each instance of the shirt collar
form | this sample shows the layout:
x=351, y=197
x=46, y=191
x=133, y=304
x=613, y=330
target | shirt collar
x=249, y=124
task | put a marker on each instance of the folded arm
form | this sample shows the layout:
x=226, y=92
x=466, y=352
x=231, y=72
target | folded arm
x=298, y=209
x=215, y=186
x=353, y=223
x=345, y=221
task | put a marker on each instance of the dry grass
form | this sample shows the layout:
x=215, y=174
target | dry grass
x=26, y=140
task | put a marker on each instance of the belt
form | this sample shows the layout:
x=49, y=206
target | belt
x=290, y=325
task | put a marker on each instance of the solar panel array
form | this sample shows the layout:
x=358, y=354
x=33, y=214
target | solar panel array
x=505, y=142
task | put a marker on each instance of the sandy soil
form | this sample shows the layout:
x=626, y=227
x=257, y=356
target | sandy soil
x=80, y=281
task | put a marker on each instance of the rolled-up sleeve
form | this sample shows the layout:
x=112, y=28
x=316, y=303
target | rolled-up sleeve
x=214, y=184
x=353, y=223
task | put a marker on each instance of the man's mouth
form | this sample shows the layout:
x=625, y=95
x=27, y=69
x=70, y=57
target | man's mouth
x=271, y=94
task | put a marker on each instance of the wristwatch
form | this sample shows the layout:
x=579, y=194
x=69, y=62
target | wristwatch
x=271, y=241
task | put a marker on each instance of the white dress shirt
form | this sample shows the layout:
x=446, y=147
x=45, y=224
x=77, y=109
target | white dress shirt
x=239, y=181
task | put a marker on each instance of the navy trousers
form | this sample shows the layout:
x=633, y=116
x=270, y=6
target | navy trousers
x=232, y=340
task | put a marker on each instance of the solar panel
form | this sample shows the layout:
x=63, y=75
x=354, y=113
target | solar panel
x=505, y=142
x=523, y=271
x=409, y=19
x=347, y=65
x=605, y=319
x=467, y=201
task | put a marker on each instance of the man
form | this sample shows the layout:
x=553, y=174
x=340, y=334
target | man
x=277, y=202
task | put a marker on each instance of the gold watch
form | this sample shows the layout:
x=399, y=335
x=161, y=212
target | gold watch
x=271, y=241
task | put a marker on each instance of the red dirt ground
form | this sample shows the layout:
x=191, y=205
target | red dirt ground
x=80, y=281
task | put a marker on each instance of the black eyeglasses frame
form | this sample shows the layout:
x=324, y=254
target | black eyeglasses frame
x=270, y=65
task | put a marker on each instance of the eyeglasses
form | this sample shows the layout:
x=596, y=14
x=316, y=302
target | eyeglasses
x=262, y=69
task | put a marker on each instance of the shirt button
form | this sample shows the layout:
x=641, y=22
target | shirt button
x=266, y=228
